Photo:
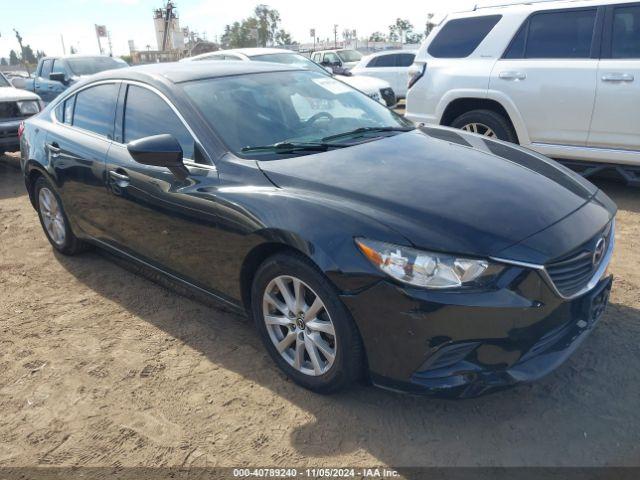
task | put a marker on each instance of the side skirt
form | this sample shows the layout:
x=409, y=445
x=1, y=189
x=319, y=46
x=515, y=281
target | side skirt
x=166, y=279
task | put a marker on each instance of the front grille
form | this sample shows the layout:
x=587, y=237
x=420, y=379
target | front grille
x=388, y=96
x=573, y=271
x=9, y=110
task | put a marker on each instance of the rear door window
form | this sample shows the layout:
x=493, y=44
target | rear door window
x=383, y=61
x=146, y=114
x=405, y=59
x=460, y=37
x=95, y=109
x=560, y=34
x=625, y=33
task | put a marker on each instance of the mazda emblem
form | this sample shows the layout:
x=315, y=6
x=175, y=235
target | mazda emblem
x=598, y=253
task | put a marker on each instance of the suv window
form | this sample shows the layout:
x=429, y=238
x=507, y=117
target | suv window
x=331, y=57
x=625, y=34
x=46, y=68
x=405, y=59
x=383, y=61
x=460, y=37
x=563, y=34
x=147, y=114
x=95, y=109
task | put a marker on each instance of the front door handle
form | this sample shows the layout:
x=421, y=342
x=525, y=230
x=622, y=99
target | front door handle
x=617, y=77
x=119, y=177
x=512, y=76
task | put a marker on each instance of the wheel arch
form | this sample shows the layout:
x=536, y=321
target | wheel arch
x=33, y=171
x=459, y=106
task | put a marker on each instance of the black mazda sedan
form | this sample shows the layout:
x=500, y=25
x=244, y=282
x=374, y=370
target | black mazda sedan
x=422, y=259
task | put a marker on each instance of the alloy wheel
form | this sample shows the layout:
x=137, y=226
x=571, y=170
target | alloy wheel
x=52, y=216
x=299, y=325
x=480, y=129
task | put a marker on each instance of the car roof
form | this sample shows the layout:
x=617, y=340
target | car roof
x=247, y=52
x=177, y=72
x=391, y=52
x=533, y=6
x=66, y=57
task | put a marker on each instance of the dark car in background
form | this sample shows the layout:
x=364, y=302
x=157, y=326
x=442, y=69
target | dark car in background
x=54, y=75
x=425, y=259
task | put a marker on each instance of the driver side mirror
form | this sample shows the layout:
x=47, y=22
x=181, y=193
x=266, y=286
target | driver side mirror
x=58, y=77
x=159, y=151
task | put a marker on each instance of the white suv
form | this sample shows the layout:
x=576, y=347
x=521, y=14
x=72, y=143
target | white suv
x=562, y=78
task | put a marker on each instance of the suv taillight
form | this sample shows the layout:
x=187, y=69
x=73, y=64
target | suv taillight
x=416, y=72
x=20, y=130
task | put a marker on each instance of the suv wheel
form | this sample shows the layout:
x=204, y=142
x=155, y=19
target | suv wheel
x=54, y=221
x=305, y=327
x=487, y=123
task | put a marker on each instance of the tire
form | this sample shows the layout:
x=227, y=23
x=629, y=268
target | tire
x=496, y=122
x=59, y=235
x=347, y=364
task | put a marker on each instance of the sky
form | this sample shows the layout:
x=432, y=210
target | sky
x=42, y=22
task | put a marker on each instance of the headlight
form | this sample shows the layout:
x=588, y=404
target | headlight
x=28, y=107
x=427, y=269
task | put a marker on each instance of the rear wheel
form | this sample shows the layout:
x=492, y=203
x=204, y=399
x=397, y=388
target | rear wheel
x=54, y=220
x=305, y=327
x=487, y=123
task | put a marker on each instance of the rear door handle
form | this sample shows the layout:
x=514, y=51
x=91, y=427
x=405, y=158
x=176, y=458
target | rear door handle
x=617, y=77
x=54, y=149
x=120, y=177
x=512, y=75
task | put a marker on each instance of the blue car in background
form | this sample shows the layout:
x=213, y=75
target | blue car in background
x=54, y=75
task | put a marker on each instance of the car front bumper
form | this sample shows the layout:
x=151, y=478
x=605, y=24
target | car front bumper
x=9, y=135
x=466, y=344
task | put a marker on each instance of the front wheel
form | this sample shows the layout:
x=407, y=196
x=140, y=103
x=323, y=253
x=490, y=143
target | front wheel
x=487, y=123
x=305, y=327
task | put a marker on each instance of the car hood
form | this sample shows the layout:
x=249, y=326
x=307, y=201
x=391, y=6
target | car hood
x=11, y=94
x=440, y=188
x=364, y=83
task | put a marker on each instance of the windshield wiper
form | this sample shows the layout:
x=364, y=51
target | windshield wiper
x=362, y=130
x=291, y=147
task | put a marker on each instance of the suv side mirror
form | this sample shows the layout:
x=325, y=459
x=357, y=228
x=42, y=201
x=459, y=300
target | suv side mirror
x=58, y=77
x=159, y=151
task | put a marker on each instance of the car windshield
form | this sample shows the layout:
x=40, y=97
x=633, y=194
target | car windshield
x=291, y=108
x=3, y=81
x=294, y=59
x=91, y=65
x=349, y=55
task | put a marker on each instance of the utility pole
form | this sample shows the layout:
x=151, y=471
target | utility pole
x=64, y=49
x=335, y=36
x=109, y=40
x=24, y=62
x=98, y=37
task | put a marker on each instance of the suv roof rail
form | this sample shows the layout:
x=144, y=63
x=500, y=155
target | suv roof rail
x=521, y=2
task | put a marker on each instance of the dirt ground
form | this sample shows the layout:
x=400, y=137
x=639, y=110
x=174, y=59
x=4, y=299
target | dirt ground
x=101, y=367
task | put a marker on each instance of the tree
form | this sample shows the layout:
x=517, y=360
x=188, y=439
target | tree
x=40, y=54
x=268, y=20
x=413, y=37
x=377, y=37
x=284, y=38
x=399, y=30
x=430, y=24
x=13, y=58
x=3, y=62
x=261, y=29
x=73, y=50
x=27, y=55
